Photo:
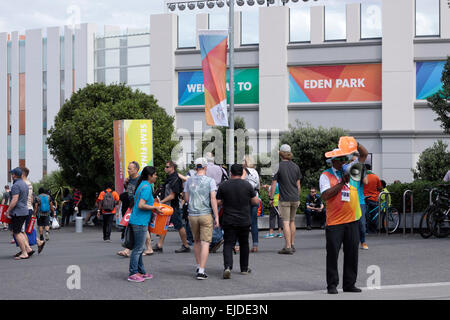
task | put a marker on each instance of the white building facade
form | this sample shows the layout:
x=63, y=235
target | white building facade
x=401, y=61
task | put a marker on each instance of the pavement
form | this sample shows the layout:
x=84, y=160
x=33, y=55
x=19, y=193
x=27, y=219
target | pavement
x=81, y=266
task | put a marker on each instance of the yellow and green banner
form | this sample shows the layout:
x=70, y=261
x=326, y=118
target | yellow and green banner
x=133, y=141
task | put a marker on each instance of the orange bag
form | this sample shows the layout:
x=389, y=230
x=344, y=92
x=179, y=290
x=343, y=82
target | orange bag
x=160, y=221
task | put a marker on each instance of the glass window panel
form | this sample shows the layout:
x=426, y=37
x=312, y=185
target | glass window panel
x=249, y=27
x=138, y=56
x=44, y=54
x=300, y=24
x=371, y=20
x=9, y=56
x=427, y=18
x=142, y=40
x=61, y=44
x=144, y=89
x=112, y=76
x=335, y=22
x=112, y=58
x=112, y=42
x=21, y=146
x=138, y=75
x=21, y=56
x=186, y=31
x=218, y=21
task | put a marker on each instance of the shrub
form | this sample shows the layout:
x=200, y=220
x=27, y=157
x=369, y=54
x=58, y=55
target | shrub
x=433, y=162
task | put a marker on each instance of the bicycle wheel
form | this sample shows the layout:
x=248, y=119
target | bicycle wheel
x=391, y=220
x=438, y=224
x=424, y=231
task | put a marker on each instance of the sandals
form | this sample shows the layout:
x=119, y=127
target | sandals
x=254, y=249
x=41, y=247
x=147, y=253
x=21, y=258
x=123, y=254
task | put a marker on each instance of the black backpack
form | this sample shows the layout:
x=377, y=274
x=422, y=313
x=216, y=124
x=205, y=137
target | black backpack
x=108, y=202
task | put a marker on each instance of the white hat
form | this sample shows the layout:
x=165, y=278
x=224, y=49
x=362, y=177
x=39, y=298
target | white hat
x=285, y=148
x=200, y=163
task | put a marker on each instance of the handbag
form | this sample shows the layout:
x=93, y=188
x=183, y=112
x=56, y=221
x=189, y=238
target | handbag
x=55, y=224
x=127, y=238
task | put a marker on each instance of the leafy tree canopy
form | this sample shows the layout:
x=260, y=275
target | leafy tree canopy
x=440, y=102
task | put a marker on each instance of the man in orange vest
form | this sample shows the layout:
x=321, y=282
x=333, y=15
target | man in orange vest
x=343, y=213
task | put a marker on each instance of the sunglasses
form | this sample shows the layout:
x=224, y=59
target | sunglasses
x=341, y=159
x=167, y=167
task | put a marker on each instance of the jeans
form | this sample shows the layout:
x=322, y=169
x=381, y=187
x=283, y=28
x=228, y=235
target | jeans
x=254, y=226
x=136, y=264
x=362, y=224
x=230, y=235
x=322, y=216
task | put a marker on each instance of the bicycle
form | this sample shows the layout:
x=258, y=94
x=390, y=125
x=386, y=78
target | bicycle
x=438, y=216
x=390, y=216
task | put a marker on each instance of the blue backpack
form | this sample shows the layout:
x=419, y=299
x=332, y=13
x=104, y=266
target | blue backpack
x=45, y=203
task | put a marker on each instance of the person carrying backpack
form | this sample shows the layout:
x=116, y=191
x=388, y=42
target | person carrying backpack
x=107, y=202
x=43, y=209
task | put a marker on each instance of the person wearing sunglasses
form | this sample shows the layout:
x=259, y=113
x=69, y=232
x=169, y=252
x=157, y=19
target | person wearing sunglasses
x=340, y=193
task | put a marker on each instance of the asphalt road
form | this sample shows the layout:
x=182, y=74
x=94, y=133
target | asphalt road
x=408, y=267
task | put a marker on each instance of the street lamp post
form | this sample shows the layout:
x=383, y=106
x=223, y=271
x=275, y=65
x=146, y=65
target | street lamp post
x=230, y=143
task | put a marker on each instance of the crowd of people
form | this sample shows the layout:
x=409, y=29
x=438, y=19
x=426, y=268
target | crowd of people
x=211, y=209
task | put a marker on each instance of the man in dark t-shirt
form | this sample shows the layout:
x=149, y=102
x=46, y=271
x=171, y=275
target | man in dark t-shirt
x=288, y=178
x=314, y=207
x=235, y=196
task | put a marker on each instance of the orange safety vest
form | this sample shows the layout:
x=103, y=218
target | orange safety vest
x=338, y=211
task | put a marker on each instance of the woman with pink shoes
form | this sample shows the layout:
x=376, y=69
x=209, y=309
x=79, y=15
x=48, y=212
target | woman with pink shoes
x=139, y=220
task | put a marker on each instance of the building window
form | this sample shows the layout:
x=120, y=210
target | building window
x=371, y=20
x=218, y=21
x=335, y=22
x=249, y=27
x=186, y=30
x=427, y=18
x=299, y=24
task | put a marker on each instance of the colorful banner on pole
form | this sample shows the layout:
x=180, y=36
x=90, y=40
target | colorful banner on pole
x=428, y=78
x=191, y=88
x=133, y=141
x=342, y=83
x=213, y=49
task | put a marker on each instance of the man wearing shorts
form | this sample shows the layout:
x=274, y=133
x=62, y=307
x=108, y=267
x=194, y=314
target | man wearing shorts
x=172, y=190
x=200, y=194
x=18, y=211
x=288, y=178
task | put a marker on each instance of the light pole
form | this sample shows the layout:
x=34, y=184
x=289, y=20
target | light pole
x=231, y=129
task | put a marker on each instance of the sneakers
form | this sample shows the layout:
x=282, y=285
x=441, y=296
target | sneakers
x=147, y=276
x=202, y=276
x=308, y=228
x=280, y=235
x=91, y=224
x=107, y=240
x=47, y=237
x=181, y=250
x=136, y=278
x=293, y=248
x=332, y=290
x=352, y=289
x=364, y=246
x=285, y=251
x=158, y=249
x=246, y=272
x=269, y=236
x=227, y=273
x=216, y=246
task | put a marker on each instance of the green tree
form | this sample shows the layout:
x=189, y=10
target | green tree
x=433, y=162
x=82, y=141
x=308, y=145
x=440, y=101
x=54, y=183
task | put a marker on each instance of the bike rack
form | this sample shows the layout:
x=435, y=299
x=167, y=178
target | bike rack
x=404, y=212
x=379, y=212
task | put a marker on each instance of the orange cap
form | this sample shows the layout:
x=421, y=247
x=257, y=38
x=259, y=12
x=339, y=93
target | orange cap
x=347, y=145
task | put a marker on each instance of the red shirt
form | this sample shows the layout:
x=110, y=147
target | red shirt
x=371, y=188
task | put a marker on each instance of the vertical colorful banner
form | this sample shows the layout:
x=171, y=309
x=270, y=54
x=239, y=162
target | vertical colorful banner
x=213, y=49
x=428, y=78
x=133, y=141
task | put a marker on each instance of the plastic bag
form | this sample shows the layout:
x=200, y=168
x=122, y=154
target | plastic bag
x=55, y=224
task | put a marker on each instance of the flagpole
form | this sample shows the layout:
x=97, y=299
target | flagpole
x=231, y=129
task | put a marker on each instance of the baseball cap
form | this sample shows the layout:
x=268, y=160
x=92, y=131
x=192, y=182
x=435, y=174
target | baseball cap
x=200, y=163
x=285, y=148
x=16, y=171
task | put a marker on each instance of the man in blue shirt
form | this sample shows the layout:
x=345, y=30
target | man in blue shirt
x=18, y=211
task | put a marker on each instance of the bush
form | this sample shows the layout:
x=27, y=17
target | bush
x=263, y=194
x=433, y=162
x=308, y=146
x=420, y=196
